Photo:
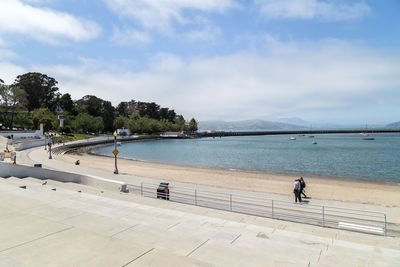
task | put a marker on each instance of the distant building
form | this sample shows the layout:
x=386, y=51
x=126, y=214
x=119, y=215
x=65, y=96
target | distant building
x=123, y=130
x=171, y=134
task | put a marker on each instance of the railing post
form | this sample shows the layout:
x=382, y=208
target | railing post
x=323, y=216
x=195, y=197
x=385, y=226
x=272, y=208
x=230, y=201
x=141, y=188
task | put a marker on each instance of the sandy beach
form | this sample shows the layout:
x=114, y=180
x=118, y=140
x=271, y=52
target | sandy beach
x=318, y=188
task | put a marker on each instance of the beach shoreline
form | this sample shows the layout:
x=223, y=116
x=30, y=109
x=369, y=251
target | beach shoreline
x=294, y=175
x=317, y=187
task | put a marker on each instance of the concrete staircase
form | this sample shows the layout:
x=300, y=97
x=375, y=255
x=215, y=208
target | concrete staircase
x=67, y=224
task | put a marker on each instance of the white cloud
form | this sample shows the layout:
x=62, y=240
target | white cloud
x=129, y=36
x=287, y=79
x=44, y=24
x=159, y=15
x=207, y=34
x=37, y=1
x=310, y=9
x=9, y=71
x=7, y=54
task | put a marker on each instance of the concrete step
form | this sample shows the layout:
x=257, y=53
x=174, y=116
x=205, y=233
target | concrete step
x=222, y=254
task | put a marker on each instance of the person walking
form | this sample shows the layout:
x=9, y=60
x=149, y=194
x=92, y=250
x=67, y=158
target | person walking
x=297, y=190
x=302, y=186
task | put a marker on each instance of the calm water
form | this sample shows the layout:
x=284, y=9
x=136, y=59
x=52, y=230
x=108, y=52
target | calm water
x=340, y=155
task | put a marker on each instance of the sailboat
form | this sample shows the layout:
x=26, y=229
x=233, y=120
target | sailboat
x=366, y=135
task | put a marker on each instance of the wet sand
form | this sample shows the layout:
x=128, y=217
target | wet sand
x=320, y=188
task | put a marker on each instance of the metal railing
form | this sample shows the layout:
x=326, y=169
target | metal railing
x=325, y=216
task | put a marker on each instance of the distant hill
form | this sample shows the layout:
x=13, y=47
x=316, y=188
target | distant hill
x=253, y=125
x=295, y=121
x=314, y=125
x=393, y=125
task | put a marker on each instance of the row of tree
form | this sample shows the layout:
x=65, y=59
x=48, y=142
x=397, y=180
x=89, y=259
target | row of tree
x=34, y=98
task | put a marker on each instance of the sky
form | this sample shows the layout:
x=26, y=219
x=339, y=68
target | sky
x=324, y=61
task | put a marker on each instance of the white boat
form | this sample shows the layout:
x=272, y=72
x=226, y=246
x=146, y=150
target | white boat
x=118, y=143
x=314, y=142
x=292, y=138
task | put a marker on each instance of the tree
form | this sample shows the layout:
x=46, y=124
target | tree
x=193, y=125
x=122, y=109
x=45, y=116
x=41, y=90
x=121, y=122
x=108, y=115
x=66, y=103
x=152, y=110
x=10, y=97
x=91, y=105
x=163, y=113
x=87, y=123
x=171, y=115
x=180, y=121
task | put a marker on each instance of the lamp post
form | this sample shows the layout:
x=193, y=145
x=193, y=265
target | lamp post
x=45, y=141
x=115, y=152
x=50, y=150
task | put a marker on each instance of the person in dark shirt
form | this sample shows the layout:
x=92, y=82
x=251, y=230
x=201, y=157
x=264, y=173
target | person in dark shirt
x=302, y=186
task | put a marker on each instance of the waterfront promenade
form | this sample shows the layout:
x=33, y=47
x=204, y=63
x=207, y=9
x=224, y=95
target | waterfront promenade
x=97, y=227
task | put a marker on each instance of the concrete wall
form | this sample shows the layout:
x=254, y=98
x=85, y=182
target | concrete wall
x=23, y=134
x=10, y=170
x=23, y=146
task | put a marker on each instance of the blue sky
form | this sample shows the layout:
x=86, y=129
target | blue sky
x=322, y=60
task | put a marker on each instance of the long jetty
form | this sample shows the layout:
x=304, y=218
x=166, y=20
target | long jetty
x=294, y=132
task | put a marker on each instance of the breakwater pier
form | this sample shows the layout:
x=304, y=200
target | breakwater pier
x=293, y=132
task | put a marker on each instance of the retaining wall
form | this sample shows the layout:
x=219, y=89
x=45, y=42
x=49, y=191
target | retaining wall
x=10, y=170
x=23, y=134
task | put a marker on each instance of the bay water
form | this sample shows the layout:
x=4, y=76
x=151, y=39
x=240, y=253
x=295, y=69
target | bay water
x=345, y=156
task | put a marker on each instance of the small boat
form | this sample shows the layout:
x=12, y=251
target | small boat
x=292, y=138
x=314, y=142
x=311, y=136
x=118, y=143
x=369, y=138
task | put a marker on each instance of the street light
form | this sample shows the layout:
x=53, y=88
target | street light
x=45, y=141
x=115, y=152
x=50, y=150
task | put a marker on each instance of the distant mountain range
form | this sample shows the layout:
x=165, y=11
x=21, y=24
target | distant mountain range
x=393, y=125
x=282, y=124
x=253, y=125
x=313, y=125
